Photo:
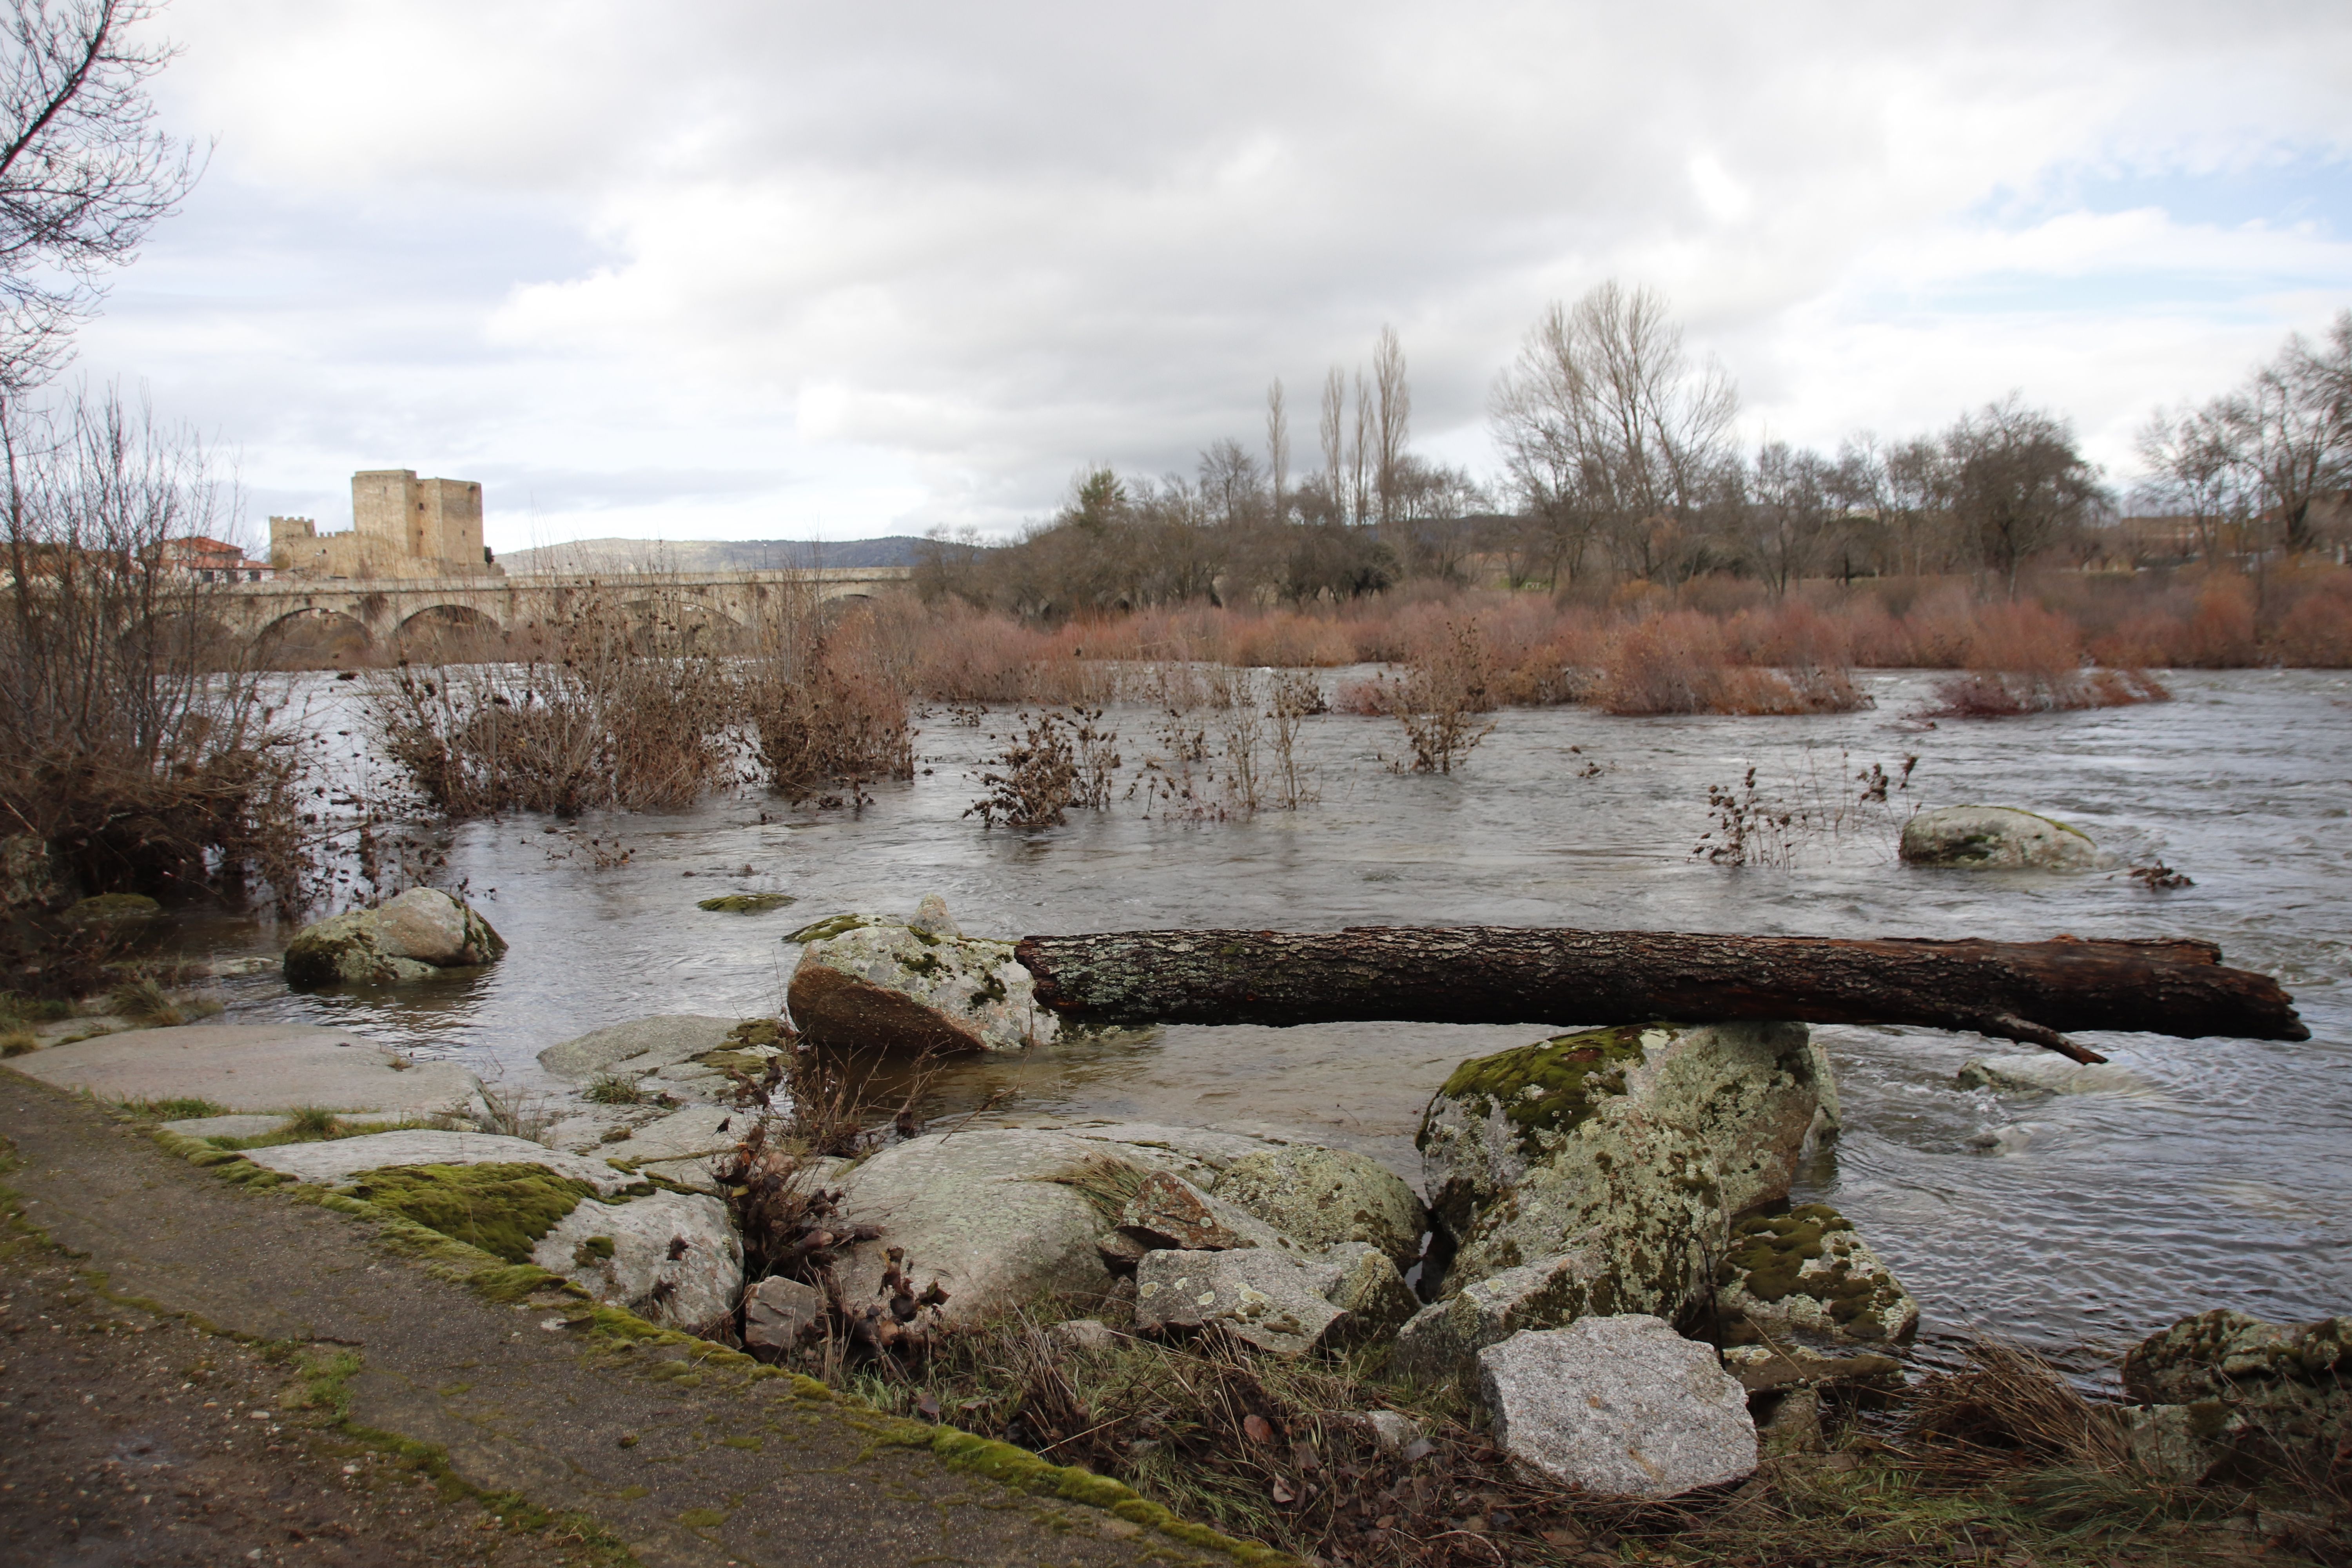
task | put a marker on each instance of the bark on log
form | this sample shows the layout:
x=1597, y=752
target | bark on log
x=2033, y=991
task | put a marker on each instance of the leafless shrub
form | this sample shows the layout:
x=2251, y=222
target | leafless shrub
x=132, y=743
x=1293, y=696
x=1441, y=699
x=636, y=712
x=1058, y=763
x=823, y=699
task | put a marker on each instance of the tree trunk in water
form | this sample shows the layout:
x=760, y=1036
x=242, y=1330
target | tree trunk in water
x=2026, y=991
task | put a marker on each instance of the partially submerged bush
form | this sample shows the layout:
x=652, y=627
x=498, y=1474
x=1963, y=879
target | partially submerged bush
x=131, y=744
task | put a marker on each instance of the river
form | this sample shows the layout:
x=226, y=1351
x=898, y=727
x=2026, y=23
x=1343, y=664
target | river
x=2221, y=1176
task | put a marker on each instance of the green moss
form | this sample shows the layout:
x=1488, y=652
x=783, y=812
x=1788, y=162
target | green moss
x=827, y=929
x=1548, y=1087
x=107, y=909
x=746, y=903
x=176, y=1110
x=502, y=1209
x=753, y=1032
x=594, y=1250
x=924, y=963
x=992, y=986
x=702, y=1517
x=1771, y=1251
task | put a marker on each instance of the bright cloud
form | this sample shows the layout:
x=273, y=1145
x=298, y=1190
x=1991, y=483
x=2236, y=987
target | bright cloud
x=730, y=270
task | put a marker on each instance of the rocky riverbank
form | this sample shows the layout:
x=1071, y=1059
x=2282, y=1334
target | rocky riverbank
x=1602, y=1283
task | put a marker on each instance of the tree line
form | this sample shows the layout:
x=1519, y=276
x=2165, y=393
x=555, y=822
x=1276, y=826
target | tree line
x=1619, y=462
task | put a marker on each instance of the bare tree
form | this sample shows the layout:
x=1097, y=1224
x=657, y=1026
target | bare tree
x=2197, y=469
x=1359, y=457
x=2018, y=482
x=1229, y=483
x=84, y=174
x=1606, y=422
x=1392, y=423
x=1335, y=440
x=2294, y=429
x=1277, y=448
x=1789, y=513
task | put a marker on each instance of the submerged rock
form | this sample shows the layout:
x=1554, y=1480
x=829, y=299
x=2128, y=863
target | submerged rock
x=746, y=903
x=869, y=982
x=418, y=933
x=2045, y=1072
x=1620, y=1406
x=637, y=1047
x=1641, y=1141
x=113, y=909
x=672, y=1258
x=1791, y=1363
x=1996, y=837
x=1807, y=1272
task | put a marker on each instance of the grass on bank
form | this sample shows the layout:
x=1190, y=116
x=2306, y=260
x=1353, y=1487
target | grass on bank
x=2003, y=1462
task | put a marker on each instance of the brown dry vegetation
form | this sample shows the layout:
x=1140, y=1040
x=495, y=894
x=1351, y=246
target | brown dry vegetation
x=129, y=753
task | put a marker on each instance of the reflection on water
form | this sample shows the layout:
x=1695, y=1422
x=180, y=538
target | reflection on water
x=2226, y=1180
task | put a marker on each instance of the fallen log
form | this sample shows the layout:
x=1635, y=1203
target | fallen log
x=2031, y=992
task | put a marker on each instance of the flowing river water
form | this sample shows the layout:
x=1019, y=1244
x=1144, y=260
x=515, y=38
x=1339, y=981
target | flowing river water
x=2219, y=1174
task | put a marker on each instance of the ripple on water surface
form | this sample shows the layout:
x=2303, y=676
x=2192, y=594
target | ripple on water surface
x=2224, y=1179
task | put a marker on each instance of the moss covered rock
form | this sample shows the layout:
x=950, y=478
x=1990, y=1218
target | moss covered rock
x=746, y=903
x=870, y=982
x=2279, y=1387
x=1993, y=836
x=502, y=1209
x=1639, y=1141
x=418, y=933
x=1442, y=1339
x=113, y=909
x=1325, y=1196
x=671, y=1257
x=1806, y=1272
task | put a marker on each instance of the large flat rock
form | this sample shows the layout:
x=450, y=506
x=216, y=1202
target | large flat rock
x=637, y=1047
x=340, y=1159
x=253, y=1067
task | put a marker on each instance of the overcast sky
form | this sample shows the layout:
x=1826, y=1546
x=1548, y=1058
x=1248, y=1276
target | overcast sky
x=707, y=270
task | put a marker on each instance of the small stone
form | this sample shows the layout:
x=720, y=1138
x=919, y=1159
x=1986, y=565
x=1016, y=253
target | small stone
x=1442, y=1339
x=1792, y=1425
x=1081, y=1335
x=1325, y=1197
x=1267, y=1298
x=1620, y=1406
x=1167, y=1212
x=1392, y=1431
x=778, y=1314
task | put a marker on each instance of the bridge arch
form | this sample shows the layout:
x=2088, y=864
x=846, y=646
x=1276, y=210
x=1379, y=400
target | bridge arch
x=450, y=633
x=313, y=638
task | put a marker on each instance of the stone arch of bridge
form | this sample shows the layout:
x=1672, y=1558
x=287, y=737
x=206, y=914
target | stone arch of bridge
x=449, y=631
x=311, y=637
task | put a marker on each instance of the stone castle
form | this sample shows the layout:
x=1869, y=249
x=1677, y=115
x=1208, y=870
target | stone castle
x=402, y=527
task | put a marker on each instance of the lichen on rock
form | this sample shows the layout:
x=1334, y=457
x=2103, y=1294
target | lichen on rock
x=1806, y=1271
x=418, y=933
x=912, y=986
x=1995, y=836
x=1641, y=1139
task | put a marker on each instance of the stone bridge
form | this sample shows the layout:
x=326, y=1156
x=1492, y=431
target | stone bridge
x=382, y=616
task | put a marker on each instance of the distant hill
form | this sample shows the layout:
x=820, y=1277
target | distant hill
x=712, y=554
